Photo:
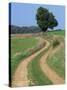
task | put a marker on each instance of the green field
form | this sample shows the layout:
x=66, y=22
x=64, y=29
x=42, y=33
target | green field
x=20, y=46
x=19, y=51
x=62, y=33
x=57, y=61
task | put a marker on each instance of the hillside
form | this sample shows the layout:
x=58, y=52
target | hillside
x=24, y=29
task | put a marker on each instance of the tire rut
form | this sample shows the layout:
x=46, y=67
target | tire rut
x=20, y=77
x=49, y=72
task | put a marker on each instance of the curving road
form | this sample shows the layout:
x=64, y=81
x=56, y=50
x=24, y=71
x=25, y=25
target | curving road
x=49, y=72
x=20, y=77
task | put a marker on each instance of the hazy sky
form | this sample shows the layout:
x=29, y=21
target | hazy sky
x=25, y=14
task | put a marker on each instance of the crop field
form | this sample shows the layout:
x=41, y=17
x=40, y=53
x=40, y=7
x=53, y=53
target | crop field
x=38, y=65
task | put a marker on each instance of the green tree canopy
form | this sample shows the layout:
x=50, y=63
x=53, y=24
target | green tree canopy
x=45, y=19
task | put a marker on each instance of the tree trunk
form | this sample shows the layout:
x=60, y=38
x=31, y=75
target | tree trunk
x=44, y=34
x=44, y=29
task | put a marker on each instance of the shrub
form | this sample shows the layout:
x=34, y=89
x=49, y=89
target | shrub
x=55, y=43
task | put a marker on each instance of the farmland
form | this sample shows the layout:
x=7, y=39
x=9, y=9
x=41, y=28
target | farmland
x=22, y=44
x=37, y=45
x=19, y=48
x=61, y=33
x=57, y=62
x=36, y=65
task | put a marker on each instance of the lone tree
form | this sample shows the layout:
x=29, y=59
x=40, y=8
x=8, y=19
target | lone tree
x=45, y=19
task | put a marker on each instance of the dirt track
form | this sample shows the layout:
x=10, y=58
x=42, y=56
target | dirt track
x=20, y=77
x=51, y=74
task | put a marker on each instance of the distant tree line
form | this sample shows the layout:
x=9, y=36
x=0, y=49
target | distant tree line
x=24, y=29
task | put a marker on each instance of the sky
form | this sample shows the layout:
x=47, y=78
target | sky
x=24, y=14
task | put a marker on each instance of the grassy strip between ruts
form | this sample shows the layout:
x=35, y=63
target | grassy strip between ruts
x=16, y=60
x=35, y=74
